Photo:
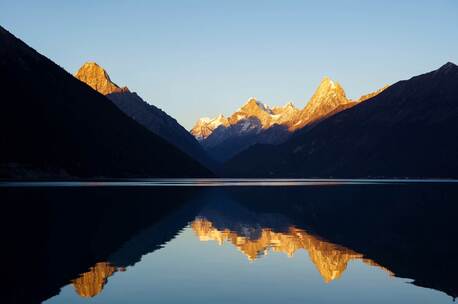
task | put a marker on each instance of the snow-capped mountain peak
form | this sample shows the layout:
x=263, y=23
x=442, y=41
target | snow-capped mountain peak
x=206, y=125
x=253, y=104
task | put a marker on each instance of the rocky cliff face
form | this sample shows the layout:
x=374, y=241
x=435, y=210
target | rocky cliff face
x=97, y=78
x=286, y=115
x=331, y=260
x=328, y=98
x=253, y=108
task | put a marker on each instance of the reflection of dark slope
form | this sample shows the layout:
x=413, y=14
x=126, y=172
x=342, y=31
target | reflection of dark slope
x=411, y=230
x=155, y=236
x=53, y=235
x=225, y=213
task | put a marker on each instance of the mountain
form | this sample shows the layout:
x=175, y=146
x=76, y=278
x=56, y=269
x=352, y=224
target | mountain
x=243, y=128
x=370, y=95
x=328, y=98
x=57, y=126
x=97, y=78
x=257, y=123
x=149, y=116
x=408, y=130
x=205, y=126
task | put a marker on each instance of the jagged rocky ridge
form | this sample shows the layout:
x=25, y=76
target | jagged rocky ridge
x=256, y=122
x=408, y=130
x=148, y=115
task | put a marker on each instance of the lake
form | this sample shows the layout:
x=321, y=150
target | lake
x=230, y=241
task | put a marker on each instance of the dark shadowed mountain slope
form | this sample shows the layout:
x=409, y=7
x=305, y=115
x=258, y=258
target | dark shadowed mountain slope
x=149, y=116
x=408, y=130
x=52, y=124
x=160, y=123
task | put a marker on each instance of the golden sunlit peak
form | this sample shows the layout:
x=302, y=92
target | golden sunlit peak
x=289, y=104
x=92, y=63
x=328, y=82
x=254, y=102
x=91, y=283
x=97, y=78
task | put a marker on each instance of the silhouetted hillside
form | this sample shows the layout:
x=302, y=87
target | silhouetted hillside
x=54, y=125
x=160, y=123
x=148, y=115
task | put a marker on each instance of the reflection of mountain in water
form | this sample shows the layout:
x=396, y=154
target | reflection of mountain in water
x=330, y=259
x=91, y=283
x=84, y=226
x=150, y=239
x=409, y=229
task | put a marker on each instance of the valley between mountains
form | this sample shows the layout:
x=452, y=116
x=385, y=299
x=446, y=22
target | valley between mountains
x=87, y=126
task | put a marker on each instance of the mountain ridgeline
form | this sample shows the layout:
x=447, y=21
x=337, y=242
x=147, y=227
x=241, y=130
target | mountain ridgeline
x=148, y=115
x=257, y=123
x=56, y=126
x=407, y=130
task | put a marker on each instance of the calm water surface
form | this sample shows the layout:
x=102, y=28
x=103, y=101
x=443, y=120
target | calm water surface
x=238, y=241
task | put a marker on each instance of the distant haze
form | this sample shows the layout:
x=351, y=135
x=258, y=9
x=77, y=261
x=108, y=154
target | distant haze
x=202, y=58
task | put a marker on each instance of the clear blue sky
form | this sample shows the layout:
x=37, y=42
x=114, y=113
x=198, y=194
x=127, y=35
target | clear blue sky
x=202, y=58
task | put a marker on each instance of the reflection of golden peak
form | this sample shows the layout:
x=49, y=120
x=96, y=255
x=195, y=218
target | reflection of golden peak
x=331, y=260
x=91, y=283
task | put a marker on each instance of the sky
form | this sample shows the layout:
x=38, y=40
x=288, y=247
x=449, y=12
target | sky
x=202, y=58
